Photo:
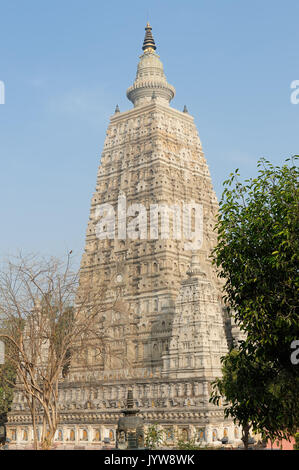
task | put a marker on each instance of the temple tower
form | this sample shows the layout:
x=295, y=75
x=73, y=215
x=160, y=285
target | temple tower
x=149, y=239
x=152, y=167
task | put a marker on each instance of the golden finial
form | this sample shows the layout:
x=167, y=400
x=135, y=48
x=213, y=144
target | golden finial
x=148, y=43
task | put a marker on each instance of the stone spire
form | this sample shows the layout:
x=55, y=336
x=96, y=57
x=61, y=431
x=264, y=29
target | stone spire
x=148, y=42
x=195, y=269
x=150, y=76
x=130, y=401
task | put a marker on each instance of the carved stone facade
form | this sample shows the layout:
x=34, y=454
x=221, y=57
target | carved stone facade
x=168, y=345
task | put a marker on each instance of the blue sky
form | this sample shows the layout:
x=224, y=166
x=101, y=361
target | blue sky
x=67, y=63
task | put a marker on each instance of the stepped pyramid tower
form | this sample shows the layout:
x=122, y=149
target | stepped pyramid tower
x=167, y=336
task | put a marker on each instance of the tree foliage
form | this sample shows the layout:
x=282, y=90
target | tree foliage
x=257, y=256
x=191, y=444
x=7, y=379
x=296, y=445
x=154, y=437
x=257, y=396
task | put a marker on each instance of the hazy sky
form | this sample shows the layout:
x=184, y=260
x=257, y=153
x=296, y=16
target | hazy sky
x=67, y=63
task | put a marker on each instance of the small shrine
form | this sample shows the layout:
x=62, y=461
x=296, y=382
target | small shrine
x=130, y=434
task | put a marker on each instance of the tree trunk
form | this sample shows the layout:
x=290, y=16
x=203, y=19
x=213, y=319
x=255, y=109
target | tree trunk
x=49, y=427
x=35, y=436
x=44, y=432
x=245, y=435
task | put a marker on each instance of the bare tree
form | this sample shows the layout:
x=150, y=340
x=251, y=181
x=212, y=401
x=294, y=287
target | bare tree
x=47, y=315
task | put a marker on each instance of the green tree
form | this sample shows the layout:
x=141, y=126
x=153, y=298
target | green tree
x=154, y=437
x=191, y=444
x=7, y=382
x=256, y=396
x=296, y=445
x=234, y=386
x=257, y=256
x=7, y=379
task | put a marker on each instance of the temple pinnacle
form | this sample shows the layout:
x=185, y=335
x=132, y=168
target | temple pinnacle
x=150, y=76
x=148, y=43
x=195, y=269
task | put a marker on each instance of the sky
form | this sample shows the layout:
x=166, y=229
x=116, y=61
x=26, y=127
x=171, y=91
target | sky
x=66, y=64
